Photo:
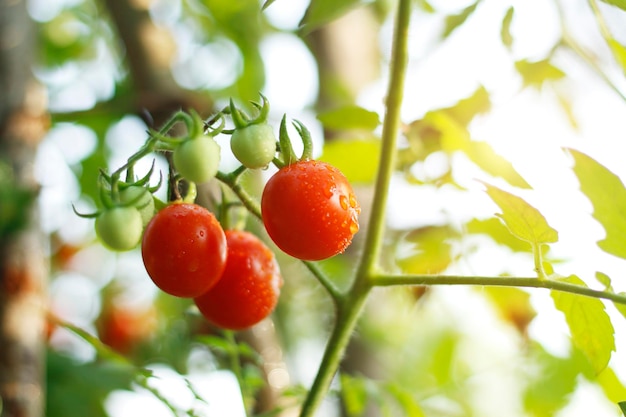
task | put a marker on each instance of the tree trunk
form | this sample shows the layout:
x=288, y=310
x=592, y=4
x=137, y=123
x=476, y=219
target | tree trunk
x=23, y=267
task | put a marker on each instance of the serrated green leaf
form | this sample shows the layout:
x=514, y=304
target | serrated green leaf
x=617, y=3
x=464, y=111
x=608, y=197
x=357, y=159
x=523, y=220
x=483, y=155
x=453, y=22
x=536, y=73
x=321, y=12
x=589, y=324
x=349, y=117
x=505, y=30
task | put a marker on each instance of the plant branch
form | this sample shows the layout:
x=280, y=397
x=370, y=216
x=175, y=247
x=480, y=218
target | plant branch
x=527, y=282
x=351, y=304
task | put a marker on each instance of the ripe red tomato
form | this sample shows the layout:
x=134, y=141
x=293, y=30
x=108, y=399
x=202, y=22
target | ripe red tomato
x=122, y=328
x=184, y=250
x=309, y=210
x=249, y=288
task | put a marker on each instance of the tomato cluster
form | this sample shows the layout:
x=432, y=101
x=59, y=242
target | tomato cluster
x=308, y=208
x=233, y=277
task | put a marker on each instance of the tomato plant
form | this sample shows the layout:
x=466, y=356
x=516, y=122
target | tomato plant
x=249, y=288
x=197, y=159
x=309, y=210
x=141, y=199
x=184, y=250
x=254, y=145
x=119, y=228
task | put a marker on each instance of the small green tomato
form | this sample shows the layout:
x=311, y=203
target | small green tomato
x=254, y=145
x=141, y=199
x=197, y=159
x=119, y=228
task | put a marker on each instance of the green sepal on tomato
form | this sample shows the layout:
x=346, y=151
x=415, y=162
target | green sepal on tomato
x=308, y=207
x=184, y=249
x=249, y=288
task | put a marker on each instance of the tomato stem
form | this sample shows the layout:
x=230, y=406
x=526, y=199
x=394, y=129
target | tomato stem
x=351, y=305
x=384, y=280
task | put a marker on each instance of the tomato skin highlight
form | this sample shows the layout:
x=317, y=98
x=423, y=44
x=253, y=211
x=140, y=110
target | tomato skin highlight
x=184, y=250
x=309, y=210
x=249, y=288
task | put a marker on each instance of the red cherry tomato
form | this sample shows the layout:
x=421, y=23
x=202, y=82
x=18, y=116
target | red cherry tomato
x=184, y=250
x=309, y=210
x=249, y=288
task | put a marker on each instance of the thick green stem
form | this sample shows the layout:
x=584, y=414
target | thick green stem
x=391, y=127
x=351, y=304
x=527, y=282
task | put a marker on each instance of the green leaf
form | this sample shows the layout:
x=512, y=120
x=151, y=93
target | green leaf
x=605, y=280
x=513, y=305
x=617, y=3
x=354, y=394
x=523, y=220
x=505, y=31
x=495, y=229
x=619, y=51
x=608, y=197
x=357, y=159
x=589, y=324
x=349, y=117
x=553, y=380
x=453, y=22
x=464, y=111
x=429, y=251
x=622, y=406
x=536, y=73
x=483, y=155
x=405, y=399
x=80, y=389
x=321, y=12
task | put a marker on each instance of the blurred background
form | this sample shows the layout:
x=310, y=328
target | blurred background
x=495, y=90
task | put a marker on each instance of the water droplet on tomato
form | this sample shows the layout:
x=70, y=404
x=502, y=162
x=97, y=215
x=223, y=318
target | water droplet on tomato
x=354, y=226
x=353, y=202
x=343, y=202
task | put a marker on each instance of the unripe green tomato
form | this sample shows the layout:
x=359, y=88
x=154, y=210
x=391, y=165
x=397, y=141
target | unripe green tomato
x=254, y=145
x=119, y=228
x=142, y=200
x=197, y=159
